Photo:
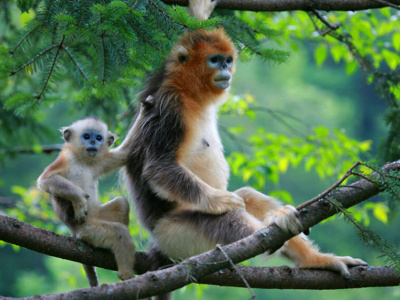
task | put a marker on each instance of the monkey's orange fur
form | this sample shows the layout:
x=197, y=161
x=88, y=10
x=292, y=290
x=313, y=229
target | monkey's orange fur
x=177, y=171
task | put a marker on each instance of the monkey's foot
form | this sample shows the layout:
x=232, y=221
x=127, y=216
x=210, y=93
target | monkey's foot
x=334, y=263
x=285, y=218
x=125, y=274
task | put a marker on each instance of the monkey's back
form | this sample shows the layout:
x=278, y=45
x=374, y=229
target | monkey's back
x=157, y=138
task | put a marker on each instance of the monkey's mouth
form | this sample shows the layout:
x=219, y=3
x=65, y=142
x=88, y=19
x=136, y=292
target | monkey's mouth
x=222, y=84
x=91, y=151
x=222, y=80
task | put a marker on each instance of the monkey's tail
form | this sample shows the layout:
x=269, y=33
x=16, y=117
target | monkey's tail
x=91, y=275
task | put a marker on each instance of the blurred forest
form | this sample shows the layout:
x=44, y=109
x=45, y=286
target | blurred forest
x=295, y=123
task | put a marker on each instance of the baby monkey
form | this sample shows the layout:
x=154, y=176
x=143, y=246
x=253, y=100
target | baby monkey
x=72, y=181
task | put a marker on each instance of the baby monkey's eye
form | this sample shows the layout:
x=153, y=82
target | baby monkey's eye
x=99, y=137
x=86, y=136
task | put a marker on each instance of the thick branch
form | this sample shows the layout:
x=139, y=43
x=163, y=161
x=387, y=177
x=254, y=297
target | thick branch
x=290, y=5
x=294, y=278
x=25, y=235
x=152, y=283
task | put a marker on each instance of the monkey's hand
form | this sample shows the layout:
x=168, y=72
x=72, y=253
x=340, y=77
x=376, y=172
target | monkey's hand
x=285, y=218
x=79, y=203
x=221, y=202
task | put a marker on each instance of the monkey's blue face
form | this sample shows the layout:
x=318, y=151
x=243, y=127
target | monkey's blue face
x=92, y=141
x=221, y=63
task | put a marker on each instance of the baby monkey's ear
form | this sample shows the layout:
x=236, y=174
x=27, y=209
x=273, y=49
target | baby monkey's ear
x=66, y=133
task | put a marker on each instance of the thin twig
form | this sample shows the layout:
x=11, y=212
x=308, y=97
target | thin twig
x=388, y=4
x=82, y=13
x=276, y=116
x=104, y=58
x=135, y=29
x=47, y=149
x=238, y=141
x=51, y=69
x=75, y=62
x=22, y=40
x=237, y=271
x=329, y=190
x=323, y=20
x=167, y=16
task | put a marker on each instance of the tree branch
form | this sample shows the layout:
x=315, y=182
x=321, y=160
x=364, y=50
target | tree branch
x=307, y=279
x=290, y=5
x=190, y=270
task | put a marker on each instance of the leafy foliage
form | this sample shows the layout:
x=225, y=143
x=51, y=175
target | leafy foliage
x=328, y=153
x=367, y=41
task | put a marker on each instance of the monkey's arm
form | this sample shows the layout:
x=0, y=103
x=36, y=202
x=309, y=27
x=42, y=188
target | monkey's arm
x=117, y=157
x=59, y=186
x=176, y=183
x=53, y=182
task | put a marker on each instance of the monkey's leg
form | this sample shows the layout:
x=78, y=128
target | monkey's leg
x=268, y=210
x=299, y=249
x=257, y=203
x=114, y=236
x=186, y=233
x=116, y=210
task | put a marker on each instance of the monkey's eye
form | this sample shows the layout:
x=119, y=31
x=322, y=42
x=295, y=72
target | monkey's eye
x=86, y=136
x=214, y=59
x=99, y=138
x=229, y=60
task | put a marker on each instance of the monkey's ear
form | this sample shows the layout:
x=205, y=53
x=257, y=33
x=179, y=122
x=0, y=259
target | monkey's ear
x=181, y=53
x=66, y=133
x=111, y=138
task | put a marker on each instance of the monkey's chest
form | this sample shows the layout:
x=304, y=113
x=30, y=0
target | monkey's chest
x=204, y=157
x=85, y=179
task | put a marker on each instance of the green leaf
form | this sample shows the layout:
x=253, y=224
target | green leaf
x=380, y=212
x=392, y=59
x=320, y=54
x=396, y=41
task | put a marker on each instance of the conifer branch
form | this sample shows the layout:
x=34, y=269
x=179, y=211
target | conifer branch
x=22, y=40
x=51, y=69
x=12, y=73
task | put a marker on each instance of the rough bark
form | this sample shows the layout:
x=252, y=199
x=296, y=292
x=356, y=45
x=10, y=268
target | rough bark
x=291, y=5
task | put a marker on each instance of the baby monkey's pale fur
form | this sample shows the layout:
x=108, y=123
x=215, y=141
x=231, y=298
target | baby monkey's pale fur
x=72, y=181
